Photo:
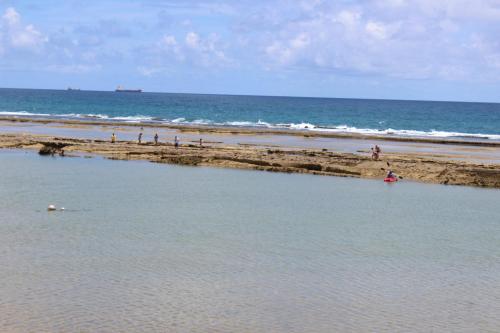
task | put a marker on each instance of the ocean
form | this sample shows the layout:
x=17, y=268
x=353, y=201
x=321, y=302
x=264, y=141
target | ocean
x=380, y=117
x=145, y=247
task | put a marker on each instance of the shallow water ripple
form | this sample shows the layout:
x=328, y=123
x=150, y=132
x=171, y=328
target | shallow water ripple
x=153, y=248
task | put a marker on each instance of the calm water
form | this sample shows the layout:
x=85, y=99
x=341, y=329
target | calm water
x=383, y=117
x=145, y=247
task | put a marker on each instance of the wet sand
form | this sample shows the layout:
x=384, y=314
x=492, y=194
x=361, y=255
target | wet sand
x=457, y=162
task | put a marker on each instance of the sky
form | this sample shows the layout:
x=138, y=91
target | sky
x=393, y=49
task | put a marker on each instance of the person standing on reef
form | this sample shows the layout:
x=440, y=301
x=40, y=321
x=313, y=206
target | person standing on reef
x=156, y=138
x=176, y=142
x=139, y=139
x=113, y=138
x=375, y=152
x=201, y=143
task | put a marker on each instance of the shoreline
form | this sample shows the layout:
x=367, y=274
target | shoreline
x=419, y=167
x=241, y=130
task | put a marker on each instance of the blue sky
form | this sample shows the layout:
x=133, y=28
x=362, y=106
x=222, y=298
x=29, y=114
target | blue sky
x=401, y=49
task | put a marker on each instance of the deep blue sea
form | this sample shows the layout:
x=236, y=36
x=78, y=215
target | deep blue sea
x=382, y=117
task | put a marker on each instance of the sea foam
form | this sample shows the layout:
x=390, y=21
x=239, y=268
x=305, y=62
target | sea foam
x=303, y=126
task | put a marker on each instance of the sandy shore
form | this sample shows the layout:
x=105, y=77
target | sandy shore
x=409, y=165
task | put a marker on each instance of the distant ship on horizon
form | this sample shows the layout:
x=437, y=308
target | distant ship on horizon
x=121, y=89
x=71, y=89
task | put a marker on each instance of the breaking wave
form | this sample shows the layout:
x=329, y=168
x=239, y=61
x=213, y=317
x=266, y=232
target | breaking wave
x=262, y=124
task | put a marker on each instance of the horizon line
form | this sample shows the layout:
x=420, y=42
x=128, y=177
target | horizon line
x=255, y=95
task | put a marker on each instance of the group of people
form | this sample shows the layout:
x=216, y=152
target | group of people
x=155, y=138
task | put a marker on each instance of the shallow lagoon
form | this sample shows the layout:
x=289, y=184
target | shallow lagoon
x=149, y=247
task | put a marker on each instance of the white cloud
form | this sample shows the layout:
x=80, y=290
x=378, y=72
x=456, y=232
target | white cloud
x=193, y=40
x=15, y=35
x=461, y=9
x=23, y=45
x=349, y=19
x=300, y=41
x=151, y=71
x=415, y=39
x=28, y=37
x=288, y=51
x=278, y=52
x=206, y=51
x=169, y=40
x=11, y=17
x=376, y=29
x=73, y=68
x=168, y=44
x=193, y=49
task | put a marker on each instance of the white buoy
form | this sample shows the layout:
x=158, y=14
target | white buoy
x=51, y=207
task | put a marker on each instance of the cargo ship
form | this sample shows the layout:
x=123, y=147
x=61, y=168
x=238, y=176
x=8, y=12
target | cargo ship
x=121, y=89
